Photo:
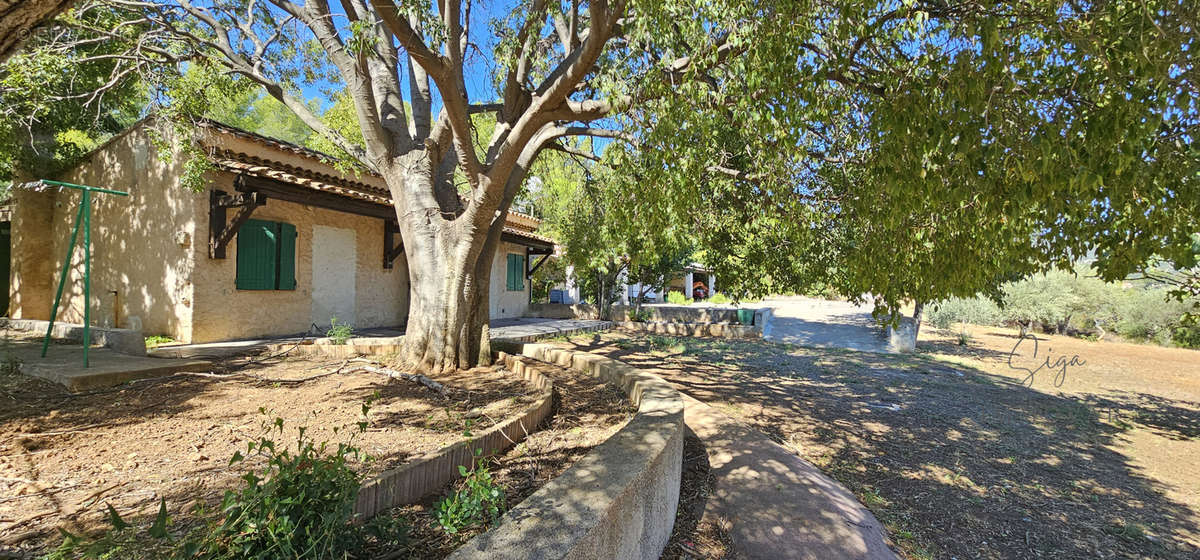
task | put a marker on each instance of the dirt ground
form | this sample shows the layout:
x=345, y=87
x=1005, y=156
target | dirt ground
x=692, y=536
x=954, y=454
x=586, y=413
x=63, y=457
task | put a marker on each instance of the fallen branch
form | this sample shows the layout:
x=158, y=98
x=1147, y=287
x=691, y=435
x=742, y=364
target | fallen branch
x=303, y=379
x=413, y=377
x=95, y=496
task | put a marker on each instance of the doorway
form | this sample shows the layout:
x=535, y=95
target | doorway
x=334, y=266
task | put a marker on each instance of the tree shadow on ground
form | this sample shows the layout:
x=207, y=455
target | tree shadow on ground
x=955, y=462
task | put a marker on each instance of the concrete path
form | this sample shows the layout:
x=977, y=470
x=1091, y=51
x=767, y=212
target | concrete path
x=776, y=504
x=824, y=324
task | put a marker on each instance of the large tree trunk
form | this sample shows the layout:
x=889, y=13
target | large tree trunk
x=918, y=316
x=449, y=268
x=19, y=17
x=448, y=310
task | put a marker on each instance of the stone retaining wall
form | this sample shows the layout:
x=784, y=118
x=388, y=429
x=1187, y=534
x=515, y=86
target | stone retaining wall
x=618, y=501
x=657, y=313
x=720, y=330
x=425, y=476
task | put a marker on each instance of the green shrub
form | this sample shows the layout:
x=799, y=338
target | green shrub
x=975, y=311
x=1147, y=314
x=1187, y=332
x=678, y=298
x=719, y=298
x=639, y=315
x=299, y=505
x=1046, y=299
x=339, y=334
x=476, y=502
x=1079, y=304
x=156, y=340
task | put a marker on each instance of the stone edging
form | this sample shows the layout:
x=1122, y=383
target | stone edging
x=719, y=330
x=417, y=479
x=619, y=500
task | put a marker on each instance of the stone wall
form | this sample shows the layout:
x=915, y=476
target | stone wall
x=141, y=243
x=618, y=501
x=657, y=313
x=502, y=303
x=381, y=295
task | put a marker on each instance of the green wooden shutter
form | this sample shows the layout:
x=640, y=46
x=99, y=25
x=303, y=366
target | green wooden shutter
x=516, y=272
x=256, y=255
x=287, y=257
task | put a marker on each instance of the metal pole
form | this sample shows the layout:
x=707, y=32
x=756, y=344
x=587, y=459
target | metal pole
x=62, y=280
x=87, y=273
x=85, y=216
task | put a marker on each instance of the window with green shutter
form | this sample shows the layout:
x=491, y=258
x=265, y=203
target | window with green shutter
x=266, y=256
x=516, y=272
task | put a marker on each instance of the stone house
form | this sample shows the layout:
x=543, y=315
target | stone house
x=278, y=241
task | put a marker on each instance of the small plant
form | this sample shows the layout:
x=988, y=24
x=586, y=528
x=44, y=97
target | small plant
x=156, y=340
x=963, y=335
x=719, y=298
x=639, y=315
x=299, y=505
x=476, y=502
x=339, y=333
x=678, y=298
x=123, y=540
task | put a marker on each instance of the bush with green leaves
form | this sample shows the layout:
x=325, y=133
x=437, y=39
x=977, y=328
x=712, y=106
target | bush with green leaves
x=678, y=298
x=639, y=315
x=1077, y=303
x=299, y=504
x=477, y=501
x=719, y=299
x=339, y=333
x=975, y=311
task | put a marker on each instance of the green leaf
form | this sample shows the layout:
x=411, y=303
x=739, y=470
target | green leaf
x=159, y=529
x=115, y=519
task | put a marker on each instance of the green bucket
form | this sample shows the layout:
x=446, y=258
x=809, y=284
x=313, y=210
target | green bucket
x=745, y=316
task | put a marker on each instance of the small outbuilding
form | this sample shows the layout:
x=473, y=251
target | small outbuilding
x=278, y=241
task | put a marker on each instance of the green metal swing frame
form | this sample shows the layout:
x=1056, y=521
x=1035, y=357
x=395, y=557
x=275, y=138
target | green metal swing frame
x=84, y=216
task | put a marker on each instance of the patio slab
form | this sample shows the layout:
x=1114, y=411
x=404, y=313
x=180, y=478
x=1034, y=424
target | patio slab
x=63, y=364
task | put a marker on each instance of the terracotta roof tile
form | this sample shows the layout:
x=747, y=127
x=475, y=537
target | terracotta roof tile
x=517, y=223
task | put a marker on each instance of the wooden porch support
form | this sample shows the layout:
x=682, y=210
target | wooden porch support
x=220, y=232
x=531, y=253
x=392, y=247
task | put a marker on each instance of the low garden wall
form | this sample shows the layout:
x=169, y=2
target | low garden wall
x=618, y=501
x=429, y=474
x=655, y=313
x=719, y=330
x=677, y=320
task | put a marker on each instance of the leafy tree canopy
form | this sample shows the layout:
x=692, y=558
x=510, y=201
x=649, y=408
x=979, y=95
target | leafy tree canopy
x=914, y=148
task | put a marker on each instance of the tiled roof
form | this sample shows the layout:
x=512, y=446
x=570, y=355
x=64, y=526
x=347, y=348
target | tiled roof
x=517, y=223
